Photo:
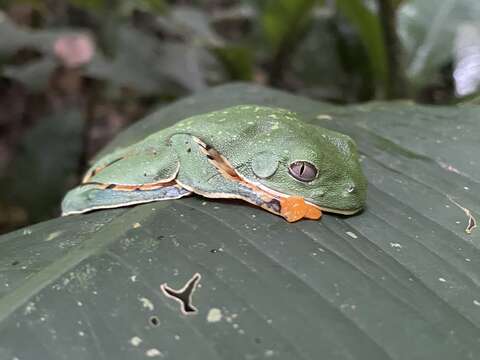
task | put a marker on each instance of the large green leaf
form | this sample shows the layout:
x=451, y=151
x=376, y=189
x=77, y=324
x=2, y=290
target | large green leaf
x=399, y=281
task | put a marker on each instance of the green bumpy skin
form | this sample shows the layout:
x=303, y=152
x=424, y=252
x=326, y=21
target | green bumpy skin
x=259, y=142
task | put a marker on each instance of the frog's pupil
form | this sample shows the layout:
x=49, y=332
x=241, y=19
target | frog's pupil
x=302, y=169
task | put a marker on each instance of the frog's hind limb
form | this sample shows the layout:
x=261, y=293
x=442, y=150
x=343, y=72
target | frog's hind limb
x=90, y=197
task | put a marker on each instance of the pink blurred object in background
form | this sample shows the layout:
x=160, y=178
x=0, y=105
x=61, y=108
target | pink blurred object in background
x=74, y=50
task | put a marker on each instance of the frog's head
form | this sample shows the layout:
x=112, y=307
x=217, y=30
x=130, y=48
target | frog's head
x=317, y=164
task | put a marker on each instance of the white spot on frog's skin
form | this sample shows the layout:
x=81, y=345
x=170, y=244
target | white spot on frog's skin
x=135, y=341
x=396, y=245
x=476, y=302
x=147, y=304
x=79, y=303
x=250, y=123
x=81, y=333
x=153, y=353
x=442, y=279
x=214, y=315
x=352, y=235
x=133, y=278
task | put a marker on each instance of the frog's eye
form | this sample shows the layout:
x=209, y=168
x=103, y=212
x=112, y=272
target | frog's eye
x=303, y=171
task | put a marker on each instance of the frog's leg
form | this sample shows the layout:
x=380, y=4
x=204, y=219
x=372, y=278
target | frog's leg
x=89, y=197
x=205, y=172
x=140, y=165
x=104, y=162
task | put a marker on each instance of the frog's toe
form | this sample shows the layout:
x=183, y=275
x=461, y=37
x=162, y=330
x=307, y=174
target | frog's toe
x=294, y=208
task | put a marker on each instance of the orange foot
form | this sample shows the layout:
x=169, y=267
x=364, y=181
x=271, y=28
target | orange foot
x=294, y=208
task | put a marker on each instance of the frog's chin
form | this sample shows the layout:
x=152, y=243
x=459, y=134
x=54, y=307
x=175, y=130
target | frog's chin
x=336, y=211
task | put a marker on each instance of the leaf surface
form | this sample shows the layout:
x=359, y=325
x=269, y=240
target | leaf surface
x=401, y=280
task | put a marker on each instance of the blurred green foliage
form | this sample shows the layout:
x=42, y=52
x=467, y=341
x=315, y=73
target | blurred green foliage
x=115, y=61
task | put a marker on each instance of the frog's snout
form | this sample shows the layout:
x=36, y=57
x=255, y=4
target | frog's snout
x=353, y=194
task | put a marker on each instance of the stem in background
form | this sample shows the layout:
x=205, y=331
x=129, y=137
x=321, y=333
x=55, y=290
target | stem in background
x=283, y=56
x=277, y=66
x=396, y=86
x=297, y=25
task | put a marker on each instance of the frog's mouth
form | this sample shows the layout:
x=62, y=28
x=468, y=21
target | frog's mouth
x=338, y=211
x=292, y=208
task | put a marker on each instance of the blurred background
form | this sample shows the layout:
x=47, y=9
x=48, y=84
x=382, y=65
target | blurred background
x=74, y=73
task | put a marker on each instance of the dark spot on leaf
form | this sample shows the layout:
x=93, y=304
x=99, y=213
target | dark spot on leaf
x=183, y=295
x=189, y=150
x=15, y=262
x=154, y=320
x=257, y=340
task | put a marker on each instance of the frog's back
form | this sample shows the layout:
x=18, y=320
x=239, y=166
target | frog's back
x=236, y=118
